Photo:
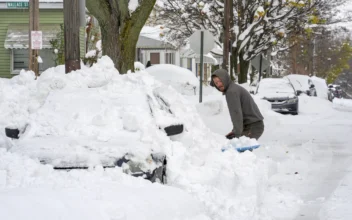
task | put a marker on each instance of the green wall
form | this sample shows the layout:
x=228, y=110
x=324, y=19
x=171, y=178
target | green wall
x=21, y=16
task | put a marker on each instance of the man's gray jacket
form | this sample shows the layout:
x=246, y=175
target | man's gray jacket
x=243, y=110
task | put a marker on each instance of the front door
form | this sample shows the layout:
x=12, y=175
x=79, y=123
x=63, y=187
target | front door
x=155, y=58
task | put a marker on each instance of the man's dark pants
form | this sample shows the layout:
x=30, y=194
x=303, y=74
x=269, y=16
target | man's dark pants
x=254, y=130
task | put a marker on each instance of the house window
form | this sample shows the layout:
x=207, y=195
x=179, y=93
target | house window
x=170, y=58
x=155, y=58
x=189, y=63
x=20, y=58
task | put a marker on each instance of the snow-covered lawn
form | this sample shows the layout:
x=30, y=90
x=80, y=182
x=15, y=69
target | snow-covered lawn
x=301, y=162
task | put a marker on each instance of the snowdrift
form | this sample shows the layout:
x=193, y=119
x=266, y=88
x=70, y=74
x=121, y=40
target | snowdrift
x=93, y=114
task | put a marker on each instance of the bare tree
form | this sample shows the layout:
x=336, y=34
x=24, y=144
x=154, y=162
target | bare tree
x=258, y=25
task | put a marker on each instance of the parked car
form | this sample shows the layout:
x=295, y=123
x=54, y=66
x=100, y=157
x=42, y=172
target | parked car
x=302, y=84
x=280, y=93
x=334, y=91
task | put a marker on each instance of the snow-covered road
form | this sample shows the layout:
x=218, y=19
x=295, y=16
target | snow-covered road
x=301, y=171
x=312, y=153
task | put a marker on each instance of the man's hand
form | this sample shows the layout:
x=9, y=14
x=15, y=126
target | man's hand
x=230, y=135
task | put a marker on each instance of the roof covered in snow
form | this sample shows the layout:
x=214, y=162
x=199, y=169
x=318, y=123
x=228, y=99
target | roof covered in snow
x=150, y=43
x=153, y=38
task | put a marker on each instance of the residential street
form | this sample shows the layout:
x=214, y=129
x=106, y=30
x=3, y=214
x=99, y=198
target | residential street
x=317, y=145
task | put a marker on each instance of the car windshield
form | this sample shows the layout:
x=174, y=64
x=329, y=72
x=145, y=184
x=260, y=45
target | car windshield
x=275, y=86
x=299, y=82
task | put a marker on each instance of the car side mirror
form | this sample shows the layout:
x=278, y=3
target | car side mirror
x=298, y=92
x=251, y=92
x=311, y=86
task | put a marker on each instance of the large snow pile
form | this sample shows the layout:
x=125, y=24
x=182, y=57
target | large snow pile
x=182, y=79
x=93, y=114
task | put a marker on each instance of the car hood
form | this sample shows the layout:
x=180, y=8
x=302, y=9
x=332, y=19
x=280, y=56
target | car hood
x=277, y=96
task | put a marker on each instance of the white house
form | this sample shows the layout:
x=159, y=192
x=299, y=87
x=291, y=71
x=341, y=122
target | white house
x=152, y=46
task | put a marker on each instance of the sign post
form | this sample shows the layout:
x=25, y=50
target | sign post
x=201, y=67
x=260, y=64
x=36, y=40
x=202, y=41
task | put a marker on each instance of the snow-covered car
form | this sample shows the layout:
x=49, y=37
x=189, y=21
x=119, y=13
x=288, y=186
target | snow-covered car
x=113, y=123
x=334, y=91
x=302, y=84
x=181, y=79
x=92, y=147
x=280, y=93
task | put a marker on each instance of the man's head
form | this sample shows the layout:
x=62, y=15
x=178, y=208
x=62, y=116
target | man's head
x=218, y=83
x=221, y=80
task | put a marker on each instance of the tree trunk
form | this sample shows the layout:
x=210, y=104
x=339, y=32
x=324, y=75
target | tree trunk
x=119, y=47
x=226, y=41
x=244, y=65
x=233, y=65
x=294, y=59
x=120, y=29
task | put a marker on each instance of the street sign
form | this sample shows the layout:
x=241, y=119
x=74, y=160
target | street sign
x=201, y=42
x=208, y=44
x=17, y=4
x=256, y=63
x=36, y=40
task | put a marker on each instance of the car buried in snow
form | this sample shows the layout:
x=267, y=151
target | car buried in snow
x=334, y=91
x=68, y=141
x=181, y=79
x=280, y=93
x=302, y=84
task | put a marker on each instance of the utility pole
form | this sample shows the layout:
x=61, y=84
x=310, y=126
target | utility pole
x=33, y=26
x=71, y=35
x=225, y=63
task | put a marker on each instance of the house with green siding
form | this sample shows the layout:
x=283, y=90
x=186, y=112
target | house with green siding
x=14, y=28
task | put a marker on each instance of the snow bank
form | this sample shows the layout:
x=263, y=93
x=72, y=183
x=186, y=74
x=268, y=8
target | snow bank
x=42, y=193
x=95, y=114
x=138, y=66
x=342, y=104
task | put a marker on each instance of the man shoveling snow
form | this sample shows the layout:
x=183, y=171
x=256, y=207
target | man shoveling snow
x=245, y=115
